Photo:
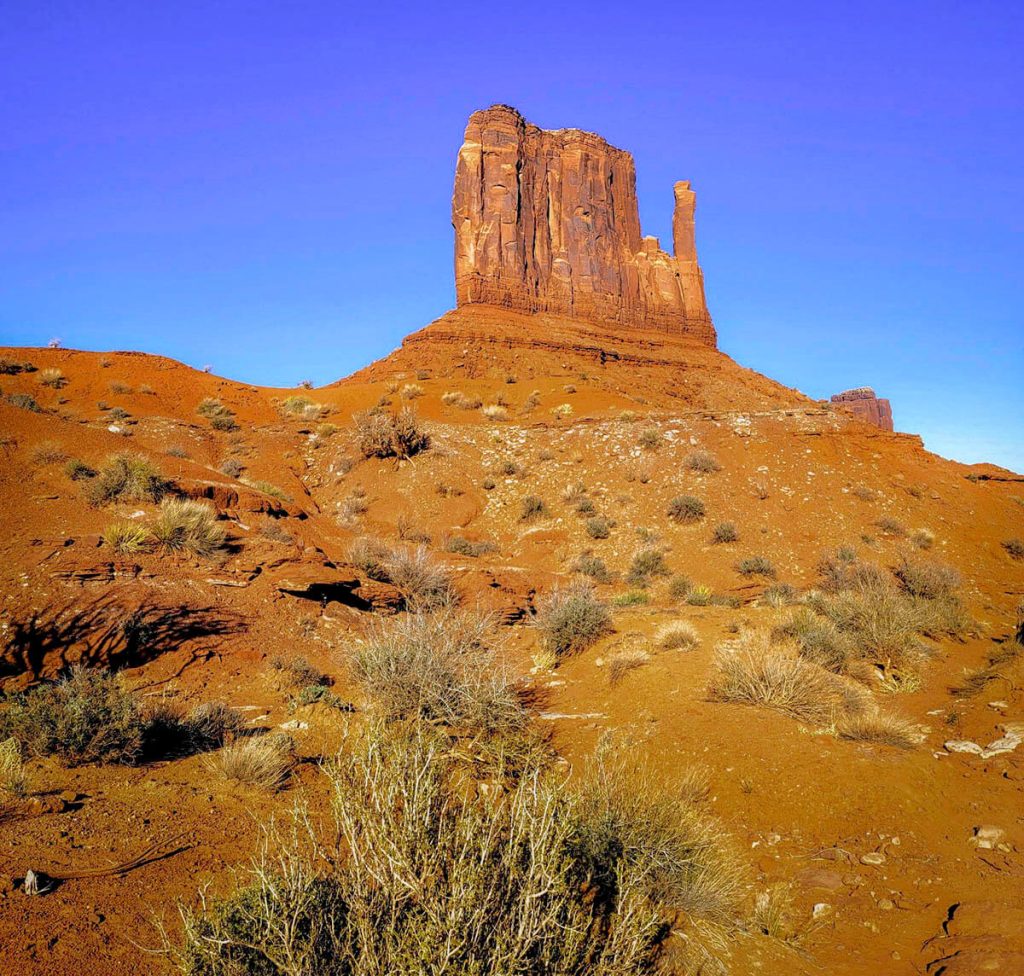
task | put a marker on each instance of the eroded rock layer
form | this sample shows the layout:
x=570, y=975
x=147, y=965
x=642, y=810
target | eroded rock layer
x=863, y=403
x=547, y=221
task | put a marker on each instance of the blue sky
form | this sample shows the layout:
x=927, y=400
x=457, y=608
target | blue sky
x=266, y=187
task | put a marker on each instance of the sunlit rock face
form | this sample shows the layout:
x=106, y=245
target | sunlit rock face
x=863, y=403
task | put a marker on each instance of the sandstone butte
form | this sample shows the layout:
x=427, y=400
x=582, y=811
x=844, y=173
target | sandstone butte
x=583, y=372
x=547, y=221
x=863, y=403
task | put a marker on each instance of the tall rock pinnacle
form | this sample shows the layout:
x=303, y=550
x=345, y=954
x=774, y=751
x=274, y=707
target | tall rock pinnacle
x=547, y=221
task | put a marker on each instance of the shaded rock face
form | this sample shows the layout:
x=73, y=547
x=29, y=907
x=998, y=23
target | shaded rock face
x=863, y=403
x=548, y=222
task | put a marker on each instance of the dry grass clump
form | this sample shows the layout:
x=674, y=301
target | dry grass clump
x=126, y=537
x=650, y=439
x=686, y=508
x=775, y=916
x=48, y=452
x=599, y=527
x=755, y=566
x=703, y=462
x=232, y=467
x=173, y=732
x=262, y=762
x=535, y=876
x=680, y=635
x=185, y=525
x=532, y=507
x=423, y=583
x=927, y=578
x=267, y=488
x=52, y=377
x=571, y=619
x=411, y=391
x=303, y=408
x=383, y=435
x=24, y=401
x=127, y=477
x=220, y=417
x=495, y=411
x=14, y=778
x=725, y=532
x=922, y=539
x=779, y=595
x=646, y=565
x=699, y=596
x=755, y=671
x=818, y=639
x=468, y=547
x=78, y=470
x=297, y=672
x=442, y=668
x=85, y=717
x=891, y=526
x=593, y=567
x=1014, y=548
x=11, y=367
x=881, y=728
x=622, y=661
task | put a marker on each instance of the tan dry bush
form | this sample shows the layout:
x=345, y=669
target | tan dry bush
x=681, y=635
x=127, y=477
x=424, y=583
x=622, y=661
x=753, y=670
x=185, y=525
x=126, y=538
x=571, y=619
x=882, y=728
x=262, y=761
x=14, y=778
x=495, y=411
x=48, y=452
x=383, y=435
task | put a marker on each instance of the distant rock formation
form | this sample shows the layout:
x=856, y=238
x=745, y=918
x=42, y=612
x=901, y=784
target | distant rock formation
x=547, y=221
x=865, y=405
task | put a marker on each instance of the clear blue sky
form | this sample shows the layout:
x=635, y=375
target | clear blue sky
x=265, y=187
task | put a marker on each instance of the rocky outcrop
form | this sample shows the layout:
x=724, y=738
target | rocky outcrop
x=547, y=221
x=863, y=403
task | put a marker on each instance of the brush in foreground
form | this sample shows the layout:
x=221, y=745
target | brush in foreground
x=572, y=619
x=189, y=526
x=259, y=761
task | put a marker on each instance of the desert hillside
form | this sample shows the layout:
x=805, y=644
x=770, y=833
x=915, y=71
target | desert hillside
x=533, y=536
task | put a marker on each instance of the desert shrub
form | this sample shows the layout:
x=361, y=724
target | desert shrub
x=25, y=401
x=267, y=488
x=440, y=667
x=411, y=391
x=189, y=526
x=78, y=470
x=634, y=598
x=561, y=411
x=686, y=508
x=127, y=477
x=451, y=398
x=703, y=462
x=599, y=528
x=371, y=557
x=176, y=451
x=725, y=532
x=532, y=507
x=624, y=660
x=755, y=566
x=48, y=452
x=220, y=417
x=495, y=411
x=232, y=467
x=679, y=586
x=488, y=484
x=14, y=778
x=85, y=717
x=172, y=732
x=120, y=388
x=321, y=695
x=262, y=762
x=468, y=547
x=533, y=877
x=678, y=635
x=891, y=526
x=126, y=537
x=594, y=567
x=922, y=539
x=423, y=583
x=864, y=493
x=650, y=439
x=297, y=672
x=927, y=578
x=842, y=570
x=881, y=728
x=819, y=640
x=779, y=595
x=390, y=434
x=753, y=671
x=303, y=408
x=585, y=507
x=572, y=619
x=699, y=596
x=10, y=367
x=52, y=377
x=726, y=600
x=1014, y=548
x=646, y=564
x=119, y=415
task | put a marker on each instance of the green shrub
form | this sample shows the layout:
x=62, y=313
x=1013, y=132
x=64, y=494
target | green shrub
x=634, y=598
x=571, y=619
x=686, y=508
x=220, y=417
x=189, y=526
x=85, y=717
x=129, y=478
x=594, y=567
x=467, y=547
x=78, y=470
x=699, y=596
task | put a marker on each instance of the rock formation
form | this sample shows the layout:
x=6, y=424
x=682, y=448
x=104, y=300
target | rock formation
x=863, y=403
x=547, y=221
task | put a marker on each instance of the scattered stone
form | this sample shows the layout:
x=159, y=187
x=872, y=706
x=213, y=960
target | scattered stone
x=987, y=836
x=963, y=745
x=873, y=857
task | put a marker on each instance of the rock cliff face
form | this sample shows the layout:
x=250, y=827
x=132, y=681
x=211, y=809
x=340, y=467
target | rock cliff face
x=547, y=221
x=864, y=404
